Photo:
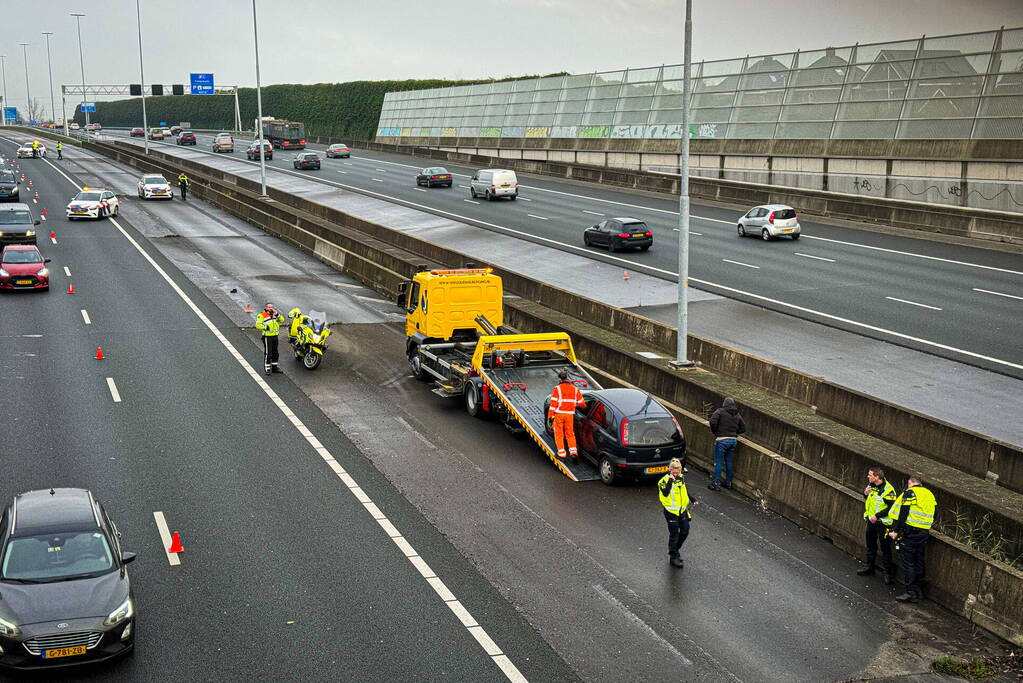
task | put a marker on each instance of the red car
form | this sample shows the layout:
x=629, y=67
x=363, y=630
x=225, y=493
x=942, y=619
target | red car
x=138, y=133
x=186, y=137
x=22, y=266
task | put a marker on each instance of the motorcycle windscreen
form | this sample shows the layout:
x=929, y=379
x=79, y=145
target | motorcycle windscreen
x=318, y=321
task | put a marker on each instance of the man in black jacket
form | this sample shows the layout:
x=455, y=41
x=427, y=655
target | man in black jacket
x=726, y=424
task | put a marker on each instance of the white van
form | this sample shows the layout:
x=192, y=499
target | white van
x=493, y=184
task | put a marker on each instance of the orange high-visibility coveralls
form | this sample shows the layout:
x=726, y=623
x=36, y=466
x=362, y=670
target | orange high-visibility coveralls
x=564, y=399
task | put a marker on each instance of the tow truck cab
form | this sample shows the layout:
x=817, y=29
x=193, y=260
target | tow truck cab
x=442, y=305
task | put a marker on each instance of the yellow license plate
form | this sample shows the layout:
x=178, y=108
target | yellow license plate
x=79, y=213
x=64, y=652
x=23, y=282
x=638, y=234
x=506, y=185
x=656, y=470
x=787, y=230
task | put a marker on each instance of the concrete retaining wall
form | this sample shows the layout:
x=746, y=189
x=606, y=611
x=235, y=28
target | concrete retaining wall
x=793, y=463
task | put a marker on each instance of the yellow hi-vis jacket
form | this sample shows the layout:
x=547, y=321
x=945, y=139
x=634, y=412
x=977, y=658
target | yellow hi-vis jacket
x=878, y=500
x=922, y=506
x=674, y=495
x=269, y=325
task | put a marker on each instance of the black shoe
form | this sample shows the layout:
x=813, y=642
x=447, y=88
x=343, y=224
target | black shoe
x=713, y=487
x=677, y=562
x=888, y=579
x=907, y=597
x=276, y=369
x=865, y=571
x=726, y=484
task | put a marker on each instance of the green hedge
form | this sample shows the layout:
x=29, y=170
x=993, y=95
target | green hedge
x=337, y=110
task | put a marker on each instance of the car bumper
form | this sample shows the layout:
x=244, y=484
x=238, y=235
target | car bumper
x=35, y=282
x=651, y=469
x=637, y=242
x=782, y=232
x=88, y=213
x=505, y=192
x=158, y=195
x=339, y=155
x=16, y=657
x=9, y=196
x=17, y=238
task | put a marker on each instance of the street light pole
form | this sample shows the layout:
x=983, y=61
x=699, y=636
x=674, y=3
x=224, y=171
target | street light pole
x=3, y=67
x=681, y=350
x=28, y=93
x=259, y=107
x=49, y=68
x=142, y=76
x=81, y=59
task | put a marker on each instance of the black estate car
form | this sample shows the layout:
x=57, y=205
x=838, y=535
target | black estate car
x=66, y=594
x=306, y=160
x=619, y=233
x=626, y=433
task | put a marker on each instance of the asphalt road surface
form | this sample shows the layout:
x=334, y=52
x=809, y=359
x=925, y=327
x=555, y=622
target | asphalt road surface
x=962, y=302
x=286, y=576
x=301, y=561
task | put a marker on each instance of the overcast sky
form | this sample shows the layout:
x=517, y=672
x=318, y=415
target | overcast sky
x=314, y=41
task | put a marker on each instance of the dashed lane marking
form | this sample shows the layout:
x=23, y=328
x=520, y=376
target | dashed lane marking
x=816, y=258
x=541, y=218
x=913, y=303
x=988, y=291
x=740, y=263
x=85, y=317
x=67, y=271
x=114, y=393
x=165, y=538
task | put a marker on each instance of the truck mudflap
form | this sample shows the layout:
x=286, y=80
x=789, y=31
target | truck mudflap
x=523, y=391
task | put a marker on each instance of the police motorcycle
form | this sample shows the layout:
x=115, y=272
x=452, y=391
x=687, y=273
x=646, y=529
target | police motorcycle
x=308, y=336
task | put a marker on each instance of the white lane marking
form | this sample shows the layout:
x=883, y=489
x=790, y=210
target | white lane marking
x=740, y=263
x=43, y=217
x=595, y=213
x=988, y=291
x=525, y=199
x=470, y=201
x=818, y=258
x=382, y=170
x=912, y=303
x=85, y=317
x=67, y=271
x=691, y=232
x=377, y=179
x=908, y=253
x=538, y=217
x=347, y=163
x=343, y=172
x=34, y=201
x=53, y=239
x=507, y=667
x=418, y=189
x=464, y=186
x=165, y=537
x=414, y=431
x=114, y=394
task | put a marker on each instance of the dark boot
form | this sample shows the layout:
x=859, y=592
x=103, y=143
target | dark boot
x=713, y=487
x=865, y=571
x=677, y=562
x=907, y=597
x=888, y=579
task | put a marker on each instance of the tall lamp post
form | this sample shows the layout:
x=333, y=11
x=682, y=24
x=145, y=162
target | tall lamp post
x=49, y=69
x=81, y=59
x=681, y=351
x=3, y=67
x=142, y=77
x=28, y=93
x=259, y=106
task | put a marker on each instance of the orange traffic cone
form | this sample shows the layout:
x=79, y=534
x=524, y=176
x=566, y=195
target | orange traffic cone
x=37, y=196
x=625, y=275
x=99, y=353
x=44, y=210
x=70, y=288
x=176, y=546
x=248, y=308
x=53, y=235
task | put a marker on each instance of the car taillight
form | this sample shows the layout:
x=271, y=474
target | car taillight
x=623, y=234
x=649, y=233
x=286, y=144
x=770, y=219
x=434, y=177
x=625, y=432
x=301, y=142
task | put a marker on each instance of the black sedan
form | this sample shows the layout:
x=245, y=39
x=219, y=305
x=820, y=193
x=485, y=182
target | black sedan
x=67, y=598
x=186, y=137
x=434, y=176
x=307, y=160
x=619, y=233
x=626, y=433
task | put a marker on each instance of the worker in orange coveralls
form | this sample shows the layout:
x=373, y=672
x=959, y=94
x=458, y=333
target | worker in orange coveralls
x=565, y=398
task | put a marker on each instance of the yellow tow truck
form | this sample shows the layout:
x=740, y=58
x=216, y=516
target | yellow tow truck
x=455, y=339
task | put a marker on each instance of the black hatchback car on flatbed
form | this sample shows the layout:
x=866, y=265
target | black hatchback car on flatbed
x=67, y=598
x=626, y=433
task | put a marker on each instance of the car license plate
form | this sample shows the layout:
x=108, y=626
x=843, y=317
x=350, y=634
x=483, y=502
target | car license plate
x=80, y=213
x=64, y=652
x=22, y=282
x=656, y=470
x=787, y=230
x=506, y=185
x=638, y=234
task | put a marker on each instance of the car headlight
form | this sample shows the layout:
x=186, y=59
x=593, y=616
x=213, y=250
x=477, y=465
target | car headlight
x=9, y=629
x=14, y=190
x=124, y=611
x=30, y=233
x=45, y=272
x=4, y=273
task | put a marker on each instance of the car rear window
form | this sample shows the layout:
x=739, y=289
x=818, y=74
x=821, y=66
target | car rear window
x=56, y=556
x=15, y=218
x=784, y=214
x=22, y=256
x=635, y=227
x=653, y=431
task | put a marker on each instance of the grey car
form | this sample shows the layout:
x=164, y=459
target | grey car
x=17, y=224
x=9, y=189
x=769, y=221
x=67, y=598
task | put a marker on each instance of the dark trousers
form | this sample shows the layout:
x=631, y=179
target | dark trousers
x=184, y=193
x=270, y=350
x=877, y=534
x=60, y=154
x=724, y=450
x=911, y=547
x=678, y=531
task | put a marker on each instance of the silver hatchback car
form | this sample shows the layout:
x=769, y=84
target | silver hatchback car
x=769, y=221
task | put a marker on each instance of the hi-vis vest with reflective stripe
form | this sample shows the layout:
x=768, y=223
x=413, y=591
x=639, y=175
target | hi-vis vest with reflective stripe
x=878, y=501
x=922, y=506
x=565, y=398
x=270, y=325
x=677, y=501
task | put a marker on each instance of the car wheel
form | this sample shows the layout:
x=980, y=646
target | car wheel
x=586, y=239
x=416, y=363
x=765, y=235
x=607, y=471
x=795, y=236
x=117, y=210
x=514, y=197
x=474, y=400
x=472, y=192
x=741, y=230
x=613, y=246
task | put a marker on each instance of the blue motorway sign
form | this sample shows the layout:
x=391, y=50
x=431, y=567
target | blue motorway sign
x=88, y=106
x=163, y=123
x=202, y=84
x=10, y=114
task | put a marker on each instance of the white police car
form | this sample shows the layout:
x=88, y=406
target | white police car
x=154, y=186
x=93, y=203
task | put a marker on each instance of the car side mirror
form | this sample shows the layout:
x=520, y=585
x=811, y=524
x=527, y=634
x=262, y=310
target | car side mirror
x=37, y=221
x=128, y=558
x=47, y=260
x=401, y=298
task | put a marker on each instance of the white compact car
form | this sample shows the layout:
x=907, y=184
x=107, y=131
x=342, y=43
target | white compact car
x=154, y=187
x=25, y=151
x=74, y=126
x=93, y=203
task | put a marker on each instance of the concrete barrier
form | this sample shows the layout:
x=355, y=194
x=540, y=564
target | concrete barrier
x=798, y=463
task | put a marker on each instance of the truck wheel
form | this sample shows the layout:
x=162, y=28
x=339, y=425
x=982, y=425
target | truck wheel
x=416, y=361
x=473, y=400
x=607, y=471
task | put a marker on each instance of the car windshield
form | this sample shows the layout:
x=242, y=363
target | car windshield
x=22, y=256
x=187, y=132
x=7, y=178
x=53, y=557
x=652, y=431
x=154, y=180
x=87, y=196
x=15, y=218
